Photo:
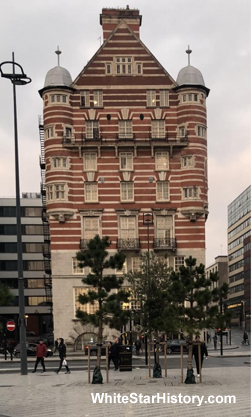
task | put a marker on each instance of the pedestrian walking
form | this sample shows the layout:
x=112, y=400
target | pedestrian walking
x=215, y=340
x=56, y=346
x=109, y=353
x=245, y=338
x=203, y=351
x=115, y=353
x=62, y=355
x=138, y=346
x=41, y=351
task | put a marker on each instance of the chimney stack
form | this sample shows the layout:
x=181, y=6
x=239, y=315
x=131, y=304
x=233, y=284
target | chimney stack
x=110, y=18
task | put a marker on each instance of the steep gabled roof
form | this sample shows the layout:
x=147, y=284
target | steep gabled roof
x=122, y=22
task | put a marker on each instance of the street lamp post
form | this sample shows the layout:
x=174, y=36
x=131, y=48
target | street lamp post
x=147, y=221
x=18, y=78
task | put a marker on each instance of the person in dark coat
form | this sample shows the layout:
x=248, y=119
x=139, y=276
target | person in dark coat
x=115, y=353
x=138, y=346
x=62, y=355
x=41, y=351
x=203, y=351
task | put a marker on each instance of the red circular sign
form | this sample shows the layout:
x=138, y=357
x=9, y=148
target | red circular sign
x=10, y=325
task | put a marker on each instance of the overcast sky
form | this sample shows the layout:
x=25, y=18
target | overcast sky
x=218, y=32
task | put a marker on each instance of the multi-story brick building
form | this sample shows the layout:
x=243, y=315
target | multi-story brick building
x=37, y=300
x=122, y=140
x=239, y=232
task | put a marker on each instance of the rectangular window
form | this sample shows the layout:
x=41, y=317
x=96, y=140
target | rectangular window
x=151, y=98
x=126, y=161
x=85, y=98
x=98, y=98
x=178, y=261
x=182, y=132
x=49, y=132
x=108, y=69
x=158, y=129
x=90, y=161
x=189, y=97
x=123, y=65
x=164, y=98
x=58, y=98
x=195, y=97
x=8, y=247
x=91, y=227
x=75, y=267
x=91, y=192
x=190, y=193
x=128, y=227
x=127, y=191
x=63, y=99
x=162, y=191
x=56, y=192
x=201, y=131
x=184, y=97
x=8, y=211
x=92, y=129
x=59, y=162
x=31, y=211
x=136, y=263
x=33, y=265
x=186, y=161
x=68, y=132
x=162, y=161
x=32, y=247
x=52, y=98
x=87, y=308
x=125, y=129
x=139, y=68
x=164, y=227
x=33, y=229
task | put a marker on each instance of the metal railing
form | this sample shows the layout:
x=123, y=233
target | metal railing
x=128, y=244
x=164, y=243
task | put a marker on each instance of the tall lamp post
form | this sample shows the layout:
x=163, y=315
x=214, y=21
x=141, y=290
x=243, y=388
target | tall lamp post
x=147, y=221
x=19, y=78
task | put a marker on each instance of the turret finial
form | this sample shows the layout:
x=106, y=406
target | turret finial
x=58, y=52
x=188, y=51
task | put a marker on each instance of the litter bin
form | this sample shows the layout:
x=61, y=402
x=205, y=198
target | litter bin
x=125, y=356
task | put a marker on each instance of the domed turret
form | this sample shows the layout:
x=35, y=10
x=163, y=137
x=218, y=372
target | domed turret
x=190, y=76
x=58, y=76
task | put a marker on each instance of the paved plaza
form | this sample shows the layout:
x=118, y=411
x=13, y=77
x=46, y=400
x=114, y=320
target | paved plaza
x=52, y=395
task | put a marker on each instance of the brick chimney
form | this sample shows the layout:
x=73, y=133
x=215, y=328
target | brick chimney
x=110, y=18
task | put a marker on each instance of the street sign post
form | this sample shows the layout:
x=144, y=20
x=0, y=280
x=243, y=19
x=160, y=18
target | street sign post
x=10, y=325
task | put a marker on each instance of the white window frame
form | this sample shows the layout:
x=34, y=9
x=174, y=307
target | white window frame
x=202, y=131
x=158, y=129
x=108, y=68
x=128, y=227
x=136, y=262
x=55, y=99
x=164, y=227
x=138, y=68
x=123, y=65
x=84, y=98
x=88, y=308
x=187, y=161
x=125, y=129
x=91, y=192
x=56, y=192
x=49, y=132
x=91, y=227
x=90, y=161
x=161, y=161
x=190, y=193
x=59, y=162
x=178, y=261
x=162, y=191
x=127, y=191
x=151, y=98
x=92, y=128
x=98, y=98
x=126, y=161
x=164, y=98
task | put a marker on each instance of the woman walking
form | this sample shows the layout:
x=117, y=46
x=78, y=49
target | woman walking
x=62, y=355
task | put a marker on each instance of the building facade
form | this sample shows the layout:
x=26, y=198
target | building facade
x=122, y=140
x=239, y=232
x=37, y=304
x=220, y=266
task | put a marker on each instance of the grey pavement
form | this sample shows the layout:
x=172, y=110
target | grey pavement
x=52, y=395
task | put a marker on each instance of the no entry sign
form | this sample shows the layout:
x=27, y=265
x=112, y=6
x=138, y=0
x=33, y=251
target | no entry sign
x=10, y=325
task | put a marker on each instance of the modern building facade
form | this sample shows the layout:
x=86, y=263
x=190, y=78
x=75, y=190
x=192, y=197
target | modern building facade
x=122, y=140
x=220, y=266
x=239, y=232
x=37, y=304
